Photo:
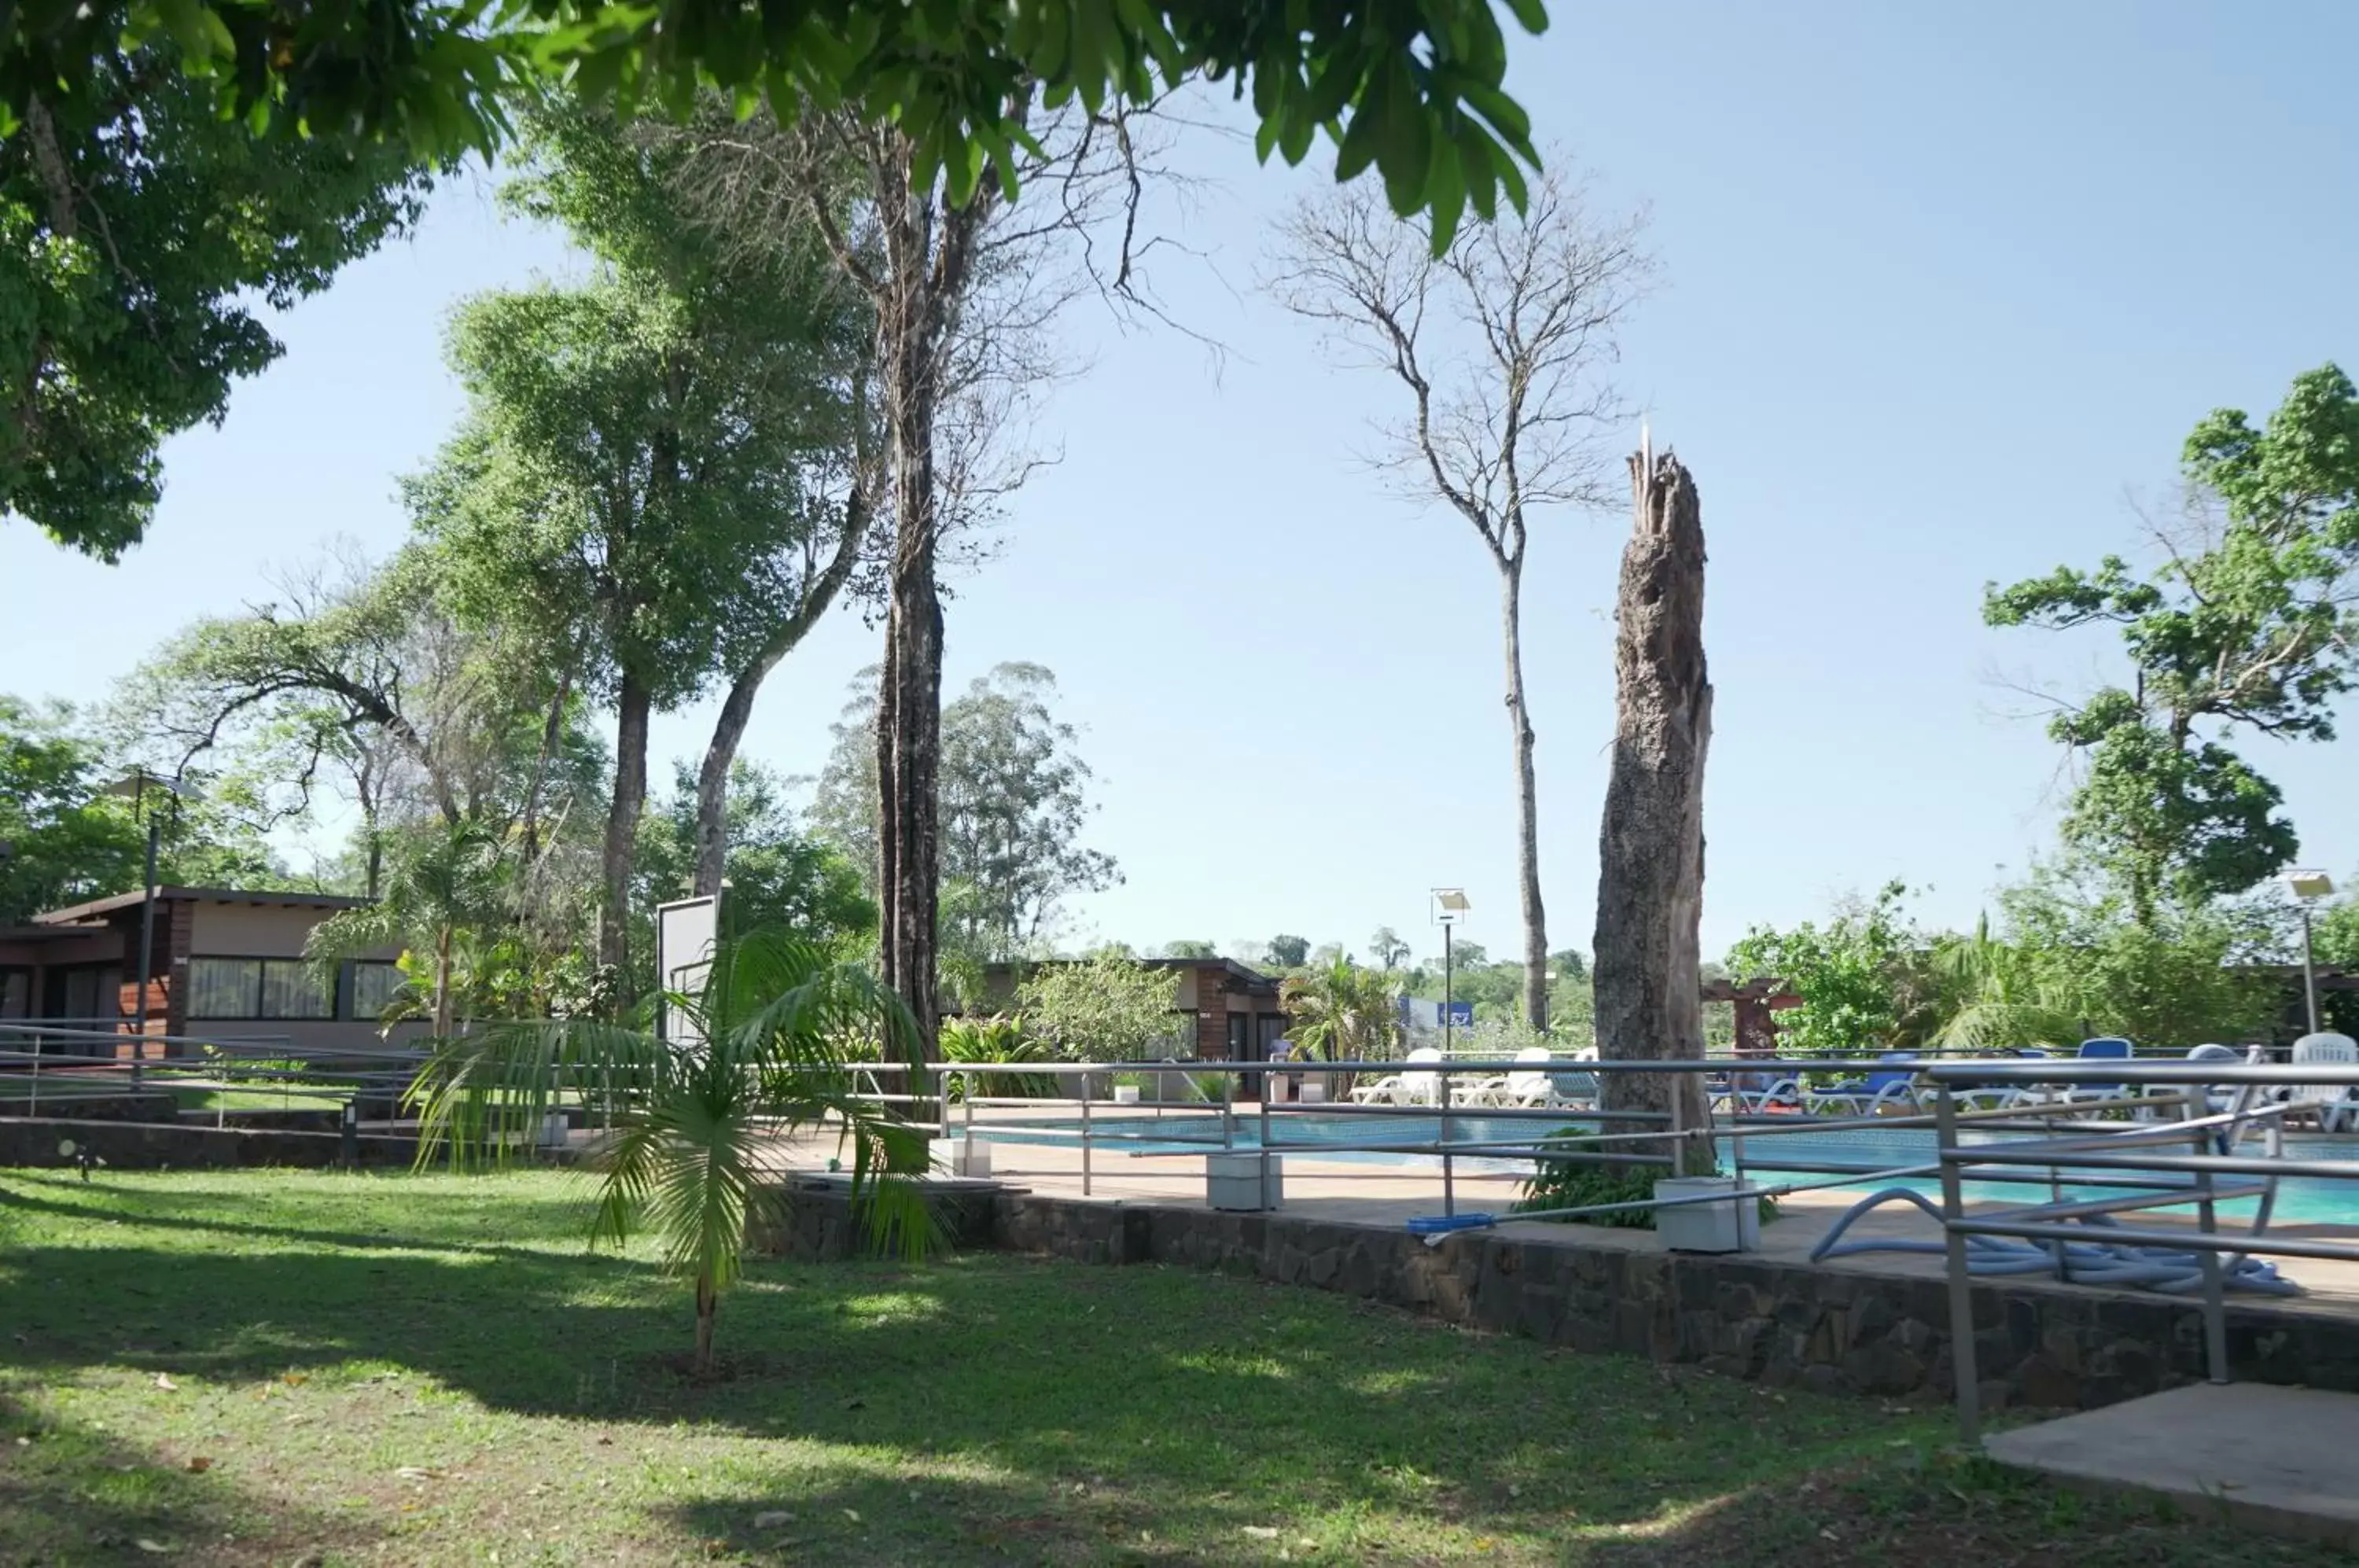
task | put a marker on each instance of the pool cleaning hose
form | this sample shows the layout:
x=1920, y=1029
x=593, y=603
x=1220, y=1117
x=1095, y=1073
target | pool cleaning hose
x=2092, y=1262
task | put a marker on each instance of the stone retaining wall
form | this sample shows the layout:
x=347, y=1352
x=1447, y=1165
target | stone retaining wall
x=1782, y=1324
x=151, y=1106
x=160, y=1145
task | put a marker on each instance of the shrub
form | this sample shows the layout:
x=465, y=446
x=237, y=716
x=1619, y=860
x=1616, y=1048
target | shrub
x=997, y=1040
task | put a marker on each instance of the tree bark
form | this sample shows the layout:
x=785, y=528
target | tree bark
x=1650, y=850
x=929, y=254
x=631, y=705
x=1527, y=828
x=737, y=708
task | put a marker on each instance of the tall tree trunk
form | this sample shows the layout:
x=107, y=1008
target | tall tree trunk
x=1527, y=827
x=737, y=708
x=929, y=254
x=552, y=732
x=1650, y=850
x=631, y=705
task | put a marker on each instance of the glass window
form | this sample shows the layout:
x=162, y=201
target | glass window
x=16, y=993
x=294, y=989
x=374, y=985
x=224, y=988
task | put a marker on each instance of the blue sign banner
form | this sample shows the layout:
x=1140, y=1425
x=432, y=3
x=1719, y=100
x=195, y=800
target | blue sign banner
x=1459, y=1014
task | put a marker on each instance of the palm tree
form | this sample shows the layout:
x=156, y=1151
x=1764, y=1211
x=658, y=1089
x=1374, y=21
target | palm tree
x=1343, y=1013
x=702, y=1113
x=1997, y=997
x=440, y=880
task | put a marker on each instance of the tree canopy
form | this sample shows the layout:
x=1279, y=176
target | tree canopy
x=2247, y=625
x=1413, y=88
x=139, y=233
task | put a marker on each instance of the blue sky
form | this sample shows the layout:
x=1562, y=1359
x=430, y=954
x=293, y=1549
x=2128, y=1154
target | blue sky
x=1940, y=286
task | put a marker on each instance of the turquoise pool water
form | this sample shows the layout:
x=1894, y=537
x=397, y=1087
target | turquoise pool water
x=2301, y=1200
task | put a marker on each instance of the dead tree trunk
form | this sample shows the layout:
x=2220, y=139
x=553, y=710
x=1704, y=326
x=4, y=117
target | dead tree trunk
x=1650, y=850
x=1528, y=826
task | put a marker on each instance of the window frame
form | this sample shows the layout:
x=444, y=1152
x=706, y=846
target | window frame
x=258, y=998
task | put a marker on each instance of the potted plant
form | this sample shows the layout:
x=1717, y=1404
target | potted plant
x=1128, y=1087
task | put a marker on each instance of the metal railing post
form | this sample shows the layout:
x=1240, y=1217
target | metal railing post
x=1449, y=1161
x=1085, y=1134
x=1261, y=1193
x=1962, y=1288
x=2215, y=1303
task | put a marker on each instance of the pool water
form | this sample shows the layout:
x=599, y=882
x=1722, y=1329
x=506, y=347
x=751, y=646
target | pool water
x=2301, y=1200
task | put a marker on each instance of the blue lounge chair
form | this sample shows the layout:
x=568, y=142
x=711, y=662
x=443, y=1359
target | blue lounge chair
x=2104, y=1048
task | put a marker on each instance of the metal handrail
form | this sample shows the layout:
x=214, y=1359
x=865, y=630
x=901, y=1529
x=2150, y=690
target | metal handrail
x=2207, y=1134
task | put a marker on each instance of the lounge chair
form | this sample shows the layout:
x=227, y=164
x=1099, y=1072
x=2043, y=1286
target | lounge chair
x=1536, y=1090
x=2216, y=1098
x=1404, y=1088
x=2004, y=1096
x=2104, y=1048
x=2335, y=1108
x=1871, y=1095
x=1758, y=1094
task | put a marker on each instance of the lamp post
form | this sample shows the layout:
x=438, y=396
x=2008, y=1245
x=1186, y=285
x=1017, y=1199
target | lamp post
x=1450, y=906
x=2308, y=886
x=135, y=785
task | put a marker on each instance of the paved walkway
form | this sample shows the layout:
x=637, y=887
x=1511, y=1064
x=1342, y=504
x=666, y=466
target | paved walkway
x=2281, y=1459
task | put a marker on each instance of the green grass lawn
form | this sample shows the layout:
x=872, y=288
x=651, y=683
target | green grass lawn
x=269, y=1367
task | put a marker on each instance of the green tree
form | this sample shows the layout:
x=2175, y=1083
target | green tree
x=1289, y=952
x=1387, y=949
x=630, y=193
x=68, y=840
x=1190, y=950
x=63, y=844
x=703, y=1120
x=2247, y=626
x=142, y=233
x=779, y=876
x=1342, y=1012
x=1848, y=973
x=2172, y=979
x=632, y=454
x=1106, y=1008
x=1414, y=91
x=1014, y=803
x=442, y=881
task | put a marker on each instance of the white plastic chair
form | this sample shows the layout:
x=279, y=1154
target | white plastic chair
x=2336, y=1110
x=1407, y=1087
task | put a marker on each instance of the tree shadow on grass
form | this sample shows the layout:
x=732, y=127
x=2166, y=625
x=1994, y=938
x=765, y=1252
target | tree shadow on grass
x=1161, y=1394
x=561, y=1221
x=71, y=1494
x=1948, y=1511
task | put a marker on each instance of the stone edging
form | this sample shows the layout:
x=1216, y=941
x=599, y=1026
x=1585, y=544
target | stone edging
x=1782, y=1324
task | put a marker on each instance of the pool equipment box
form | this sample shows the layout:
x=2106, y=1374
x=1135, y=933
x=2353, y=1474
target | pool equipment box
x=1731, y=1226
x=1234, y=1182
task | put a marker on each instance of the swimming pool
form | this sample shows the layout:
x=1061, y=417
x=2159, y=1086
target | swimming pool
x=2299, y=1199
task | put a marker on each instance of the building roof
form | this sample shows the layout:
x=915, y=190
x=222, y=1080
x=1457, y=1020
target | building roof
x=96, y=908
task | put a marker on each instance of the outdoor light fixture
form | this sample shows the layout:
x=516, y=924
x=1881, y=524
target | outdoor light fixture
x=1449, y=906
x=2309, y=887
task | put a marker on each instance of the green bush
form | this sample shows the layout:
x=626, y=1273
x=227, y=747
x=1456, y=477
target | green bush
x=1577, y=1183
x=997, y=1039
